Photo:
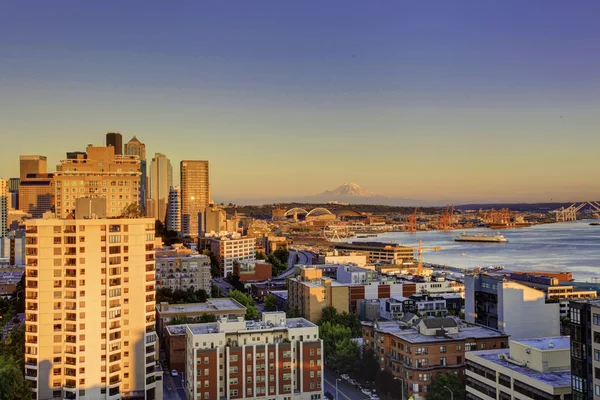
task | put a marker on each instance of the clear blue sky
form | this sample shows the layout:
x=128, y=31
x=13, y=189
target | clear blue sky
x=459, y=100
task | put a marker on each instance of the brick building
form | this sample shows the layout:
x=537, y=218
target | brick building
x=416, y=354
x=253, y=271
x=277, y=358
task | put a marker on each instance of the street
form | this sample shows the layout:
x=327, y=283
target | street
x=345, y=390
x=224, y=287
x=173, y=387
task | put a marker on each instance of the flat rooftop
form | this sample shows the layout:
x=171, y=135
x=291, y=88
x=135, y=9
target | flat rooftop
x=412, y=335
x=214, y=305
x=214, y=327
x=10, y=277
x=553, y=378
x=547, y=343
x=374, y=245
x=280, y=293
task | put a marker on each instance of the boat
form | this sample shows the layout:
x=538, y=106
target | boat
x=594, y=223
x=481, y=237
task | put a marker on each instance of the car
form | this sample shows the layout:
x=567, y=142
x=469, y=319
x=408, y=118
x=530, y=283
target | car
x=352, y=382
x=366, y=391
x=374, y=396
x=345, y=377
x=174, y=373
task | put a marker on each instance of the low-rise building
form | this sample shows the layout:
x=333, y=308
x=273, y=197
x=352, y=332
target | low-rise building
x=9, y=279
x=277, y=358
x=380, y=252
x=253, y=271
x=260, y=289
x=417, y=354
x=537, y=368
x=183, y=272
x=220, y=308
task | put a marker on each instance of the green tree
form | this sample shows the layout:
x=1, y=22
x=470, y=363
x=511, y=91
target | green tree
x=204, y=318
x=439, y=392
x=293, y=313
x=282, y=256
x=270, y=303
x=13, y=385
x=179, y=320
x=246, y=301
x=260, y=255
x=341, y=351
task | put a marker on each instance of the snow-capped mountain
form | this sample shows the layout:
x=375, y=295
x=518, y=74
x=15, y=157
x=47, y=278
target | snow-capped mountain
x=347, y=190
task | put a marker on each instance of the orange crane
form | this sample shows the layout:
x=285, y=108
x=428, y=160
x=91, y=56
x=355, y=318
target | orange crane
x=420, y=252
x=446, y=220
x=412, y=221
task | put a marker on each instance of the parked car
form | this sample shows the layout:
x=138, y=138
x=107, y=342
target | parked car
x=174, y=373
x=366, y=391
x=374, y=396
x=345, y=377
x=352, y=382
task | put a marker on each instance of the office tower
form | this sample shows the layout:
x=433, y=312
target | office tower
x=232, y=248
x=98, y=173
x=136, y=148
x=213, y=219
x=159, y=182
x=32, y=165
x=3, y=207
x=36, y=194
x=195, y=194
x=12, y=248
x=174, y=210
x=13, y=184
x=115, y=140
x=275, y=358
x=90, y=309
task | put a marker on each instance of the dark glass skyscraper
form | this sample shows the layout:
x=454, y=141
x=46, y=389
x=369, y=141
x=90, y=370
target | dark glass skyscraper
x=115, y=140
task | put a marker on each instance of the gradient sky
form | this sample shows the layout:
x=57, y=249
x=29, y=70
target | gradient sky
x=434, y=100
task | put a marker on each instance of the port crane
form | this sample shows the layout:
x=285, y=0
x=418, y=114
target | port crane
x=420, y=253
x=446, y=220
x=412, y=221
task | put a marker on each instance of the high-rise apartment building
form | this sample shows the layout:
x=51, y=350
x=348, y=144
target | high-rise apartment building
x=98, y=173
x=136, y=148
x=36, y=194
x=195, y=194
x=173, y=222
x=275, y=358
x=115, y=140
x=3, y=207
x=159, y=182
x=183, y=272
x=90, y=309
x=32, y=165
x=584, y=326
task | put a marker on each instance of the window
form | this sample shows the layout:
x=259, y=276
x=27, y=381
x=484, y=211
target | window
x=205, y=360
x=233, y=358
x=482, y=346
x=575, y=315
x=206, y=371
x=442, y=349
x=597, y=388
x=596, y=319
x=597, y=355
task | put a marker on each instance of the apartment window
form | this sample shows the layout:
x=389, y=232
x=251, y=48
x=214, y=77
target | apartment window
x=575, y=315
x=597, y=355
x=442, y=349
x=597, y=390
x=206, y=383
x=443, y=361
x=233, y=358
x=234, y=393
x=482, y=346
x=206, y=371
x=596, y=319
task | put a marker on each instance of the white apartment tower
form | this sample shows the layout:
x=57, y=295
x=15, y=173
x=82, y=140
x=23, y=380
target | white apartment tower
x=275, y=358
x=173, y=222
x=90, y=300
x=3, y=207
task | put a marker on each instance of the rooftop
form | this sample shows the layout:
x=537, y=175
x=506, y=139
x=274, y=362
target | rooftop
x=554, y=378
x=280, y=293
x=235, y=325
x=376, y=245
x=411, y=335
x=546, y=343
x=10, y=277
x=224, y=304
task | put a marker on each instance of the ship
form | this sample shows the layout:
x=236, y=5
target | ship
x=481, y=237
x=594, y=223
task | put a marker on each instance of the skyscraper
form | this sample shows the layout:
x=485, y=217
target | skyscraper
x=36, y=194
x=90, y=301
x=195, y=194
x=115, y=140
x=99, y=173
x=173, y=222
x=160, y=180
x=136, y=148
x=3, y=207
x=32, y=165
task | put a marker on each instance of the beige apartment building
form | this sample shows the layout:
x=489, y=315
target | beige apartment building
x=275, y=358
x=183, y=272
x=97, y=173
x=194, y=195
x=90, y=309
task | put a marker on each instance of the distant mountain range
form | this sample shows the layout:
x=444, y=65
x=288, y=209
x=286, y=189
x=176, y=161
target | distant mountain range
x=352, y=193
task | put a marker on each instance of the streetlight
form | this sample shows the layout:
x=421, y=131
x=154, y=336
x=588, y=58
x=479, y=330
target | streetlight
x=401, y=386
x=336, y=388
x=451, y=392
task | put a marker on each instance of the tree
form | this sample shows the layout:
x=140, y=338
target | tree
x=179, y=320
x=246, y=301
x=293, y=313
x=13, y=385
x=204, y=318
x=270, y=303
x=341, y=352
x=282, y=255
x=260, y=255
x=131, y=211
x=439, y=392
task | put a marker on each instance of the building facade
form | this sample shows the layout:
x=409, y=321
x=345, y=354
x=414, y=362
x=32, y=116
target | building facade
x=275, y=358
x=213, y=220
x=584, y=327
x=173, y=222
x=36, y=194
x=3, y=207
x=377, y=252
x=492, y=301
x=136, y=148
x=115, y=139
x=231, y=249
x=32, y=165
x=536, y=368
x=417, y=354
x=183, y=272
x=253, y=271
x=159, y=182
x=195, y=194
x=90, y=300
x=98, y=173
x=12, y=248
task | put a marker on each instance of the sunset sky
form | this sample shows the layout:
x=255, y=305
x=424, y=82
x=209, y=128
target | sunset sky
x=440, y=100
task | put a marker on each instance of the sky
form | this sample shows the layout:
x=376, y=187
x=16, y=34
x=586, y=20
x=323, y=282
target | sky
x=436, y=100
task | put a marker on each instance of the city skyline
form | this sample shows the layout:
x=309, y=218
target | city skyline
x=408, y=101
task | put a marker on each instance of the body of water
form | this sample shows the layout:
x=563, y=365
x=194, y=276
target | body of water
x=565, y=246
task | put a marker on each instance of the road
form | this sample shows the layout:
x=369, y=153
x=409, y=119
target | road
x=345, y=390
x=223, y=286
x=173, y=388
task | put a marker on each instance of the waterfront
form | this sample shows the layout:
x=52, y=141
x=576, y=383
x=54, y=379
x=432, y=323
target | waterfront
x=565, y=246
